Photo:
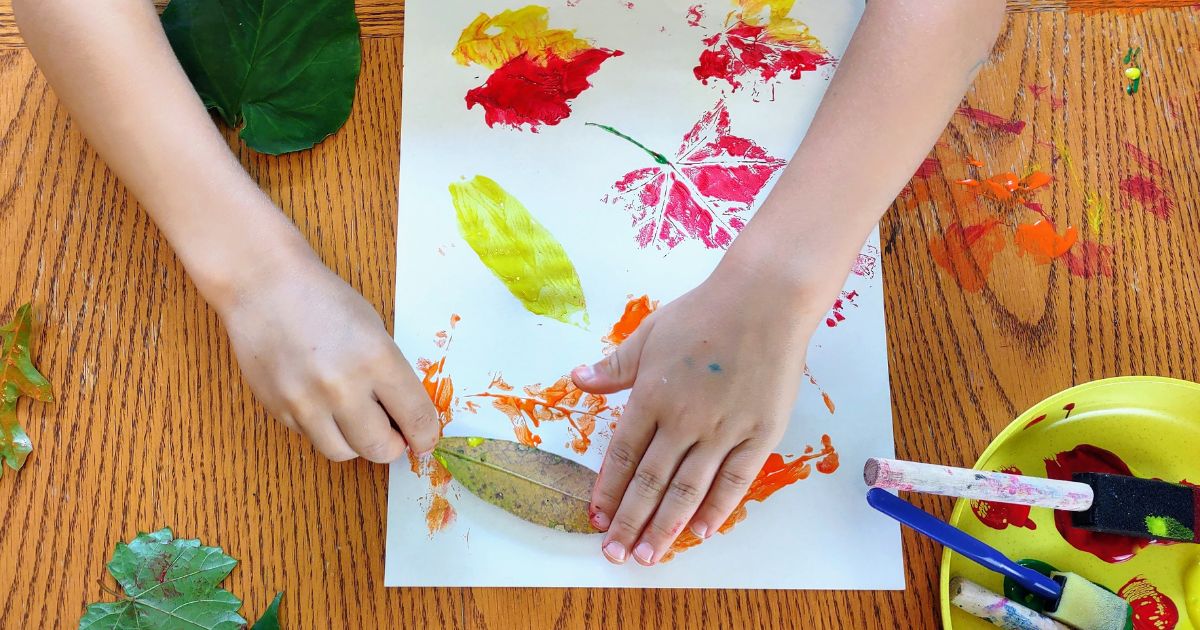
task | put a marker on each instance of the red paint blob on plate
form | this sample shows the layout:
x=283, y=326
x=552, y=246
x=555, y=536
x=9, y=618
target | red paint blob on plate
x=998, y=515
x=1152, y=609
x=1088, y=458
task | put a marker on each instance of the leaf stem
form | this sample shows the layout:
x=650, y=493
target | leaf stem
x=658, y=157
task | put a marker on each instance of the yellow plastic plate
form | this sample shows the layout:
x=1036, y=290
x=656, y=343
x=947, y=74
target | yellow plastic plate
x=1153, y=426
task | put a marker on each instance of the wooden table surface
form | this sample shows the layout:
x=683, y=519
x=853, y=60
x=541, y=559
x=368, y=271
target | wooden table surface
x=155, y=427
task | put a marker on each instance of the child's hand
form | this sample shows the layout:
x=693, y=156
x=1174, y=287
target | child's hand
x=318, y=357
x=714, y=376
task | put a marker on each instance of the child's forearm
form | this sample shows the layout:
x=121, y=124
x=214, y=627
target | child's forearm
x=113, y=69
x=906, y=69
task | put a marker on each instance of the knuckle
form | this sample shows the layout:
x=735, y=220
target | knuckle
x=380, y=452
x=613, y=363
x=625, y=525
x=648, y=483
x=685, y=491
x=734, y=477
x=659, y=531
x=621, y=456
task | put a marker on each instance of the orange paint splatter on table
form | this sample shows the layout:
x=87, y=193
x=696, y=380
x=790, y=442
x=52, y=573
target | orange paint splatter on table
x=966, y=253
x=562, y=400
x=636, y=311
x=1042, y=243
x=1006, y=186
x=775, y=475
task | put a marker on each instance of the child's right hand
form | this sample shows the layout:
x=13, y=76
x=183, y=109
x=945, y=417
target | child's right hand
x=318, y=357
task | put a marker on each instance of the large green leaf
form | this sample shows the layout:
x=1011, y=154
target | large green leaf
x=286, y=69
x=536, y=485
x=18, y=377
x=169, y=584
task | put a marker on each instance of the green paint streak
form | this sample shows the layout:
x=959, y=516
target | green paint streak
x=658, y=157
x=524, y=255
x=1167, y=527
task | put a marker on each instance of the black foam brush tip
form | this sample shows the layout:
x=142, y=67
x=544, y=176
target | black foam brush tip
x=1143, y=508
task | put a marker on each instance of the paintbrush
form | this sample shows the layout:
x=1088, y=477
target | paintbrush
x=1111, y=504
x=1070, y=598
x=997, y=609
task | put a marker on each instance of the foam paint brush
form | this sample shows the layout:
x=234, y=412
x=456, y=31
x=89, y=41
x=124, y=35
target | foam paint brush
x=1001, y=611
x=1070, y=598
x=1111, y=504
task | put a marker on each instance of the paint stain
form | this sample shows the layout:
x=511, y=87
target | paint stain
x=636, y=311
x=864, y=265
x=1149, y=194
x=776, y=474
x=760, y=44
x=837, y=313
x=714, y=367
x=992, y=121
x=966, y=253
x=1007, y=186
x=1001, y=516
x=1128, y=7
x=1056, y=102
x=695, y=13
x=930, y=167
x=560, y=401
x=1152, y=609
x=1042, y=243
x=1090, y=260
x=1035, y=422
x=825, y=397
x=536, y=71
x=440, y=514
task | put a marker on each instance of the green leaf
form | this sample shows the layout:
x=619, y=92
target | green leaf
x=18, y=377
x=269, y=619
x=169, y=584
x=286, y=69
x=536, y=485
x=524, y=255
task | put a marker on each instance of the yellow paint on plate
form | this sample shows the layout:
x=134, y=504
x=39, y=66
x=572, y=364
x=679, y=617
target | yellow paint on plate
x=1151, y=423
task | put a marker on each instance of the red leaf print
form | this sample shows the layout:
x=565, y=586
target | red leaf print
x=705, y=193
x=760, y=48
x=525, y=92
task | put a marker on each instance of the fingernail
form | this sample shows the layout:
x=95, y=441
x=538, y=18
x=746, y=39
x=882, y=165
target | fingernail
x=585, y=373
x=615, y=552
x=700, y=530
x=644, y=553
x=601, y=521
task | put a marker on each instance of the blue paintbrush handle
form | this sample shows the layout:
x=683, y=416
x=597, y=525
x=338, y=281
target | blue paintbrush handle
x=963, y=543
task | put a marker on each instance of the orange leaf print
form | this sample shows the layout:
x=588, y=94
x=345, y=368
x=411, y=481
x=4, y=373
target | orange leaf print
x=559, y=401
x=439, y=513
x=966, y=253
x=1042, y=243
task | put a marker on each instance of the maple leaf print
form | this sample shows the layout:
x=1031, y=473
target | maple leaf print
x=759, y=44
x=705, y=193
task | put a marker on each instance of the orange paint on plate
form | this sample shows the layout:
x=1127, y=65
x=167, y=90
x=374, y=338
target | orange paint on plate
x=775, y=475
x=636, y=311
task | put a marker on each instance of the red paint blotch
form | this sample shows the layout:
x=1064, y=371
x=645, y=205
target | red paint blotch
x=1002, y=515
x=525, y=92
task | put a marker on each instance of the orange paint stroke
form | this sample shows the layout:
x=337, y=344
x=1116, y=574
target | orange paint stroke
x=775, y=475
x=824, y=396
x=636, y=311
x=966, y=253
x=560, y=401
x=440, y=514
x=440, y=388
x=1006, y=186
x=1040, y=241
x=828, y=402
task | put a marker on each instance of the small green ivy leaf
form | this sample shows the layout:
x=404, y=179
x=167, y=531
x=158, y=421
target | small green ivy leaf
x=168, y=584
x=285, y=69
x=270, y=619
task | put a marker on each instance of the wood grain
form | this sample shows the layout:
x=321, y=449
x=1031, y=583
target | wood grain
x=155, y=427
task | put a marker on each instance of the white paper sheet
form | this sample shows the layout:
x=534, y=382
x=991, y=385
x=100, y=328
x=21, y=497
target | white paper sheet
x=816, y=534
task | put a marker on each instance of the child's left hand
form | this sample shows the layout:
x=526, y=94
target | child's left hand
x=714, y=374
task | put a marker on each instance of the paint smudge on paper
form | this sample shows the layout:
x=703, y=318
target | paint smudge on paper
x=864, y=265
x=562, y=400
x=1152, y=609
x=998, y=515
x=636, y=311
x=695, y=13
x=1042, y=243
x=520, y=252
x=776, y=474
x=1149, y=190
x=537, y=70
x=760, y=44
x=825, y=397
x=836, y=314
x=706, y=193
x=966, y=253
x=992, y=121
x=439, y=513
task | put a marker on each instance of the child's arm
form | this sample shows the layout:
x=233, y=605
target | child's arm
x=314, y=351
x=715, y=373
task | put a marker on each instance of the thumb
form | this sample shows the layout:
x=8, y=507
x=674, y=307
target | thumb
x=618, y=370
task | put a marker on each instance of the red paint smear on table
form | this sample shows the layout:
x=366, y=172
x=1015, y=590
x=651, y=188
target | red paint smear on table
x=1147, y=192
x=966, y=253
x=560, y=401
x=695, y=13
x=704, y=193
x=1056, y=102
x=993, y=121
x=525, y=92
x=636, y=311
x=836, y=315
x=998, y=515
x=775, y=475
x=929, y=167
x=864, y=265
x=1042, y=243
x=1152, y=609
x=1087, y=458
x=750, y=52
x=1090, y=260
